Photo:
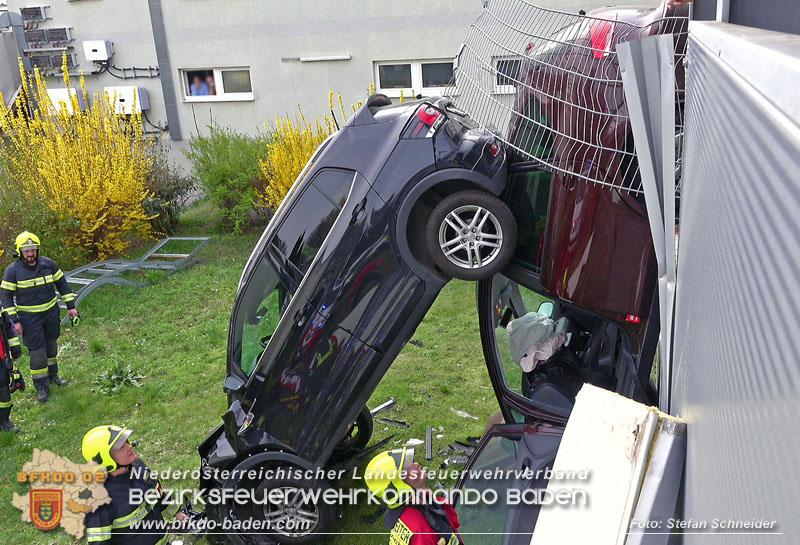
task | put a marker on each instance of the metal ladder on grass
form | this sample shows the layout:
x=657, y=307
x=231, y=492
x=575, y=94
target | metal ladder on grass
x=92, y=276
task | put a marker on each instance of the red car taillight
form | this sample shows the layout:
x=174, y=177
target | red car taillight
x=494, y=149
x=428, y=115
x=602, y=36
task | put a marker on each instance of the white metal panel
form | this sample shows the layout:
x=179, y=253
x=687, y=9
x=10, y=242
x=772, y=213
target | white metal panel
x=62, y=98
x=609, y=435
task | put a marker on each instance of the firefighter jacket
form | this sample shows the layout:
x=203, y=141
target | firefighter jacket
x=123, y=522
x=435, y=524
x=30, y=290
x=9, y=342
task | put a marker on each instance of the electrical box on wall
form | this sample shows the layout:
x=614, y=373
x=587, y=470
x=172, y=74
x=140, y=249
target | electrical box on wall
x=36, y=36
x=41, y=61
x=62, y=96
x=98, y=50
x=37, y=13
x=60, y=34
x=125, y=98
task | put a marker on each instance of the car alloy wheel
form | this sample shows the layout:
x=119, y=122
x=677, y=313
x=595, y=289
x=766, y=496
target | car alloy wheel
x=292, y=509
x=471, y=235
x=295, y=518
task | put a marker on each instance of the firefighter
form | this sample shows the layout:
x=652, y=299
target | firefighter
x=10, y=379
x=30, y=300
x=121, y=521
x=394, y=476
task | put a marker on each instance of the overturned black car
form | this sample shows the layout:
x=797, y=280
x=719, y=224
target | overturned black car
x=388, y=209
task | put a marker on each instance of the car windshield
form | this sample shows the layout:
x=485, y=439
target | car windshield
x=547, y=50
x=258, y=313
x=486, y=522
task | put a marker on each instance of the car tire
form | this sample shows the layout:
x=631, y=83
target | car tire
x=484, y=221
x=292, y=513
x=356, y=438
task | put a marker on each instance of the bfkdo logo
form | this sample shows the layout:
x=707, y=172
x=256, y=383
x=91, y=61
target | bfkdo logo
x=46, y=508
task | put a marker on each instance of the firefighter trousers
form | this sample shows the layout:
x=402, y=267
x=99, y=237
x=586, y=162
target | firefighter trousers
x=5, y=393
x=40, y=333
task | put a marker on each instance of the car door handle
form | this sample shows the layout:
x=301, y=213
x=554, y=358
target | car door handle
x=358, y=210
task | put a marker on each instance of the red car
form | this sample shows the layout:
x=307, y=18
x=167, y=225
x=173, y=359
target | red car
x=575, y=190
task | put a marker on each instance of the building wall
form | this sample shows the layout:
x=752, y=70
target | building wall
x=736, y=379
x=10, y=80
x=268, y=37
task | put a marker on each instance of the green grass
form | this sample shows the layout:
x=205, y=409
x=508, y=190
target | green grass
x=174, y=332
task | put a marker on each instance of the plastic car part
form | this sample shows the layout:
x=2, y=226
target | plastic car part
x=392, y=422
x=428, y=442
x=383, y=406
x=471, y=235
x=549, y=397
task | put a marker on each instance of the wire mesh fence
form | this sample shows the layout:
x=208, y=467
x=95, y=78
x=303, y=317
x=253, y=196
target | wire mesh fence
x=548, y=84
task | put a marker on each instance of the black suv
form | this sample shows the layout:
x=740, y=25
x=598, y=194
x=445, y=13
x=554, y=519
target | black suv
x=388, y=209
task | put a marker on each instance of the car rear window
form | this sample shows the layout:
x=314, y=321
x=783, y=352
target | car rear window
x=534, y=137
x=528, y=196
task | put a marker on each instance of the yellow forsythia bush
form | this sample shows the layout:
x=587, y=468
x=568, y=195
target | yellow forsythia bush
x=291, y=144
x=88, y=167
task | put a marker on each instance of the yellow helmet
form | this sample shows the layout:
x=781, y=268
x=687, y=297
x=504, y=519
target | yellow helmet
x=383, y=476
x=26, y=240
x=98, y=442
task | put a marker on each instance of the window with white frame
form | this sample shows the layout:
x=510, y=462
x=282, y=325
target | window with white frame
x=427, y=77
x=216, y=84
x=507, y=72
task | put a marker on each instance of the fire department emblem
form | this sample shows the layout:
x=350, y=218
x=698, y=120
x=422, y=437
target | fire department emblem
x=46, y=508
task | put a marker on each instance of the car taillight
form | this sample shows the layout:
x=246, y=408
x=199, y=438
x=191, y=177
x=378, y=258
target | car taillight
x=633, y=319
x=428, y=115
x=494, y=149
x=602, y=36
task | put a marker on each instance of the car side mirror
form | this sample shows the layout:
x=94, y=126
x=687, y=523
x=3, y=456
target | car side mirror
x=232, y=384
x=546, y=309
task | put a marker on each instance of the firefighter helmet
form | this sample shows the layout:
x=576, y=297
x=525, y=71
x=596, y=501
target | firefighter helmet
x=384, y=476
x=98, y=443
x=26, y=241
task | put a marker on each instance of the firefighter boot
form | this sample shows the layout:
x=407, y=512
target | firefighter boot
x=53, y=375
x=5, y=423
x=52, y=364
x=39, y=372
